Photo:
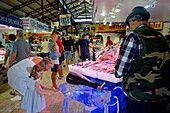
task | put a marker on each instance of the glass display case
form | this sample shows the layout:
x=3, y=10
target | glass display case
x=3, y=71
x=2, y=53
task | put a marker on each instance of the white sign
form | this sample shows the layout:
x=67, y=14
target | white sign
x=53, y=24
x=29, y=23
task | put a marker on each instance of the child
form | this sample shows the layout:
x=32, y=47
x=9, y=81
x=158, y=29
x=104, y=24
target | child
x=34, y=100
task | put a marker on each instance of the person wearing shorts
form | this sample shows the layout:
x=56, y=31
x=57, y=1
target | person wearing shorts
x=54, y=55
x=68, y=50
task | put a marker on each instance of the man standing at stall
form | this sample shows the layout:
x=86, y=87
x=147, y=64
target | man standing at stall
x=83, y=47
x=142, y=62
x=21, y=49
x=109, y=42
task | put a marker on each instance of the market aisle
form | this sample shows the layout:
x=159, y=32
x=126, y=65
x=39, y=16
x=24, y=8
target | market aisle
x=54, y=102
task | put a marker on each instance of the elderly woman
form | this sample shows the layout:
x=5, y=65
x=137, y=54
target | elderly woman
x=18, y=74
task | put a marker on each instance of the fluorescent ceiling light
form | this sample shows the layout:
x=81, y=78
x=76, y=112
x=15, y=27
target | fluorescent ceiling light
x=111, y=13
x=103, y=14
x=83, y=20
x=147, y=6
x=113, y=16
x=117, y=10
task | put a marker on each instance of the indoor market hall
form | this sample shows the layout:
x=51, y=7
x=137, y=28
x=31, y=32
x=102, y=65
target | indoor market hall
x=84, y=56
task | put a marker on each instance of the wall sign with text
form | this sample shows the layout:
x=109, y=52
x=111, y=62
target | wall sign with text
x=65, y=20
x=11, y=21
x=156, y=25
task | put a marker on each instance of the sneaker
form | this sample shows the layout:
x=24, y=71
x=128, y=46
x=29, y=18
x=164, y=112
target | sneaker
x=16, y=98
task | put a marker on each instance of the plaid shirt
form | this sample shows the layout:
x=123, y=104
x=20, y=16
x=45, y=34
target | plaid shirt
x=130, y=49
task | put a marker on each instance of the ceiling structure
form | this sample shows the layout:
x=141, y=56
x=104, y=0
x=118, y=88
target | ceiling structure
x=33, y=9
x=79, y=9
x=105, y=12
x=99, y=11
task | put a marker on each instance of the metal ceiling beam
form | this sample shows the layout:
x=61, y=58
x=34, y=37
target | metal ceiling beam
x=39, y=9
x=68, y=8
x=72, y=2
x=18, y=7
x=55, y=6
x=13, y=6
x=32, y=8
x=44, y=7
x=51, y=9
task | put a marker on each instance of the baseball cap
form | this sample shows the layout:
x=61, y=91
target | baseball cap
x=139, y=10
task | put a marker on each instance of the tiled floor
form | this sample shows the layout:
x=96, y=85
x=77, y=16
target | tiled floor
x=54, y=101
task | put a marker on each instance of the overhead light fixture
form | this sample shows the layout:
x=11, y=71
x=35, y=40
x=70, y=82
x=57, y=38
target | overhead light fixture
x=103, y=14
x=147, y=6
x=152, y=5
x=117, y=10
x=83, y=20
x=26, y=30
x=113, y=16
x=111, y=13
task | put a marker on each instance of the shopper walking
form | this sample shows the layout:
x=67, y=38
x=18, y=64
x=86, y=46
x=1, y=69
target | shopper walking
x=142, y=63
x=68, y=50
x=54, y=54
x=61, y=58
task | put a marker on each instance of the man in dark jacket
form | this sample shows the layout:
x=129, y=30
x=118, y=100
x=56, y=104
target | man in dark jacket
x=141, y=61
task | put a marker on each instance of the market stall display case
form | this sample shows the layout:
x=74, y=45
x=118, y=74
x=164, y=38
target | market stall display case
x=100, y=71
x=3, y=71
